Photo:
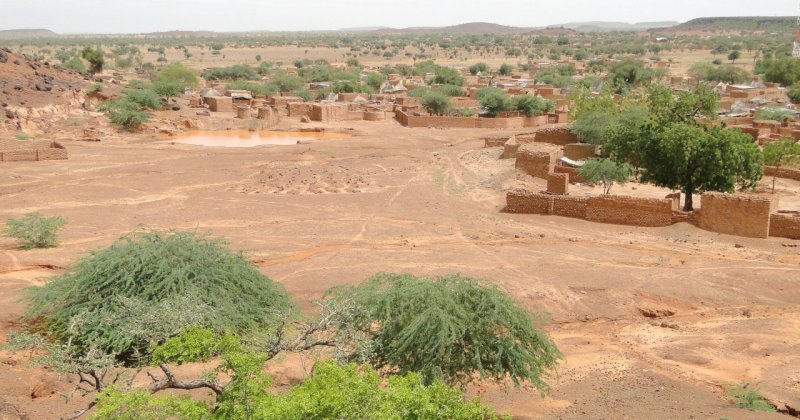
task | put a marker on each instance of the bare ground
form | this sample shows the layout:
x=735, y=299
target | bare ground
x=430, y=202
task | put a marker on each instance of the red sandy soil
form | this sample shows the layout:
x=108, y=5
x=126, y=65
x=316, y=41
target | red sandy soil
x=30, y=84
x=425, y=201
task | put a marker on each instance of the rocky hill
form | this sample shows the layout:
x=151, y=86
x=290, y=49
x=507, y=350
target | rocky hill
x=24, y=83
x=10, y=34
x=780, y=24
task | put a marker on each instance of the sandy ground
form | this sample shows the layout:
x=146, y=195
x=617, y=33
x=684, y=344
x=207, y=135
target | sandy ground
x=428, y=202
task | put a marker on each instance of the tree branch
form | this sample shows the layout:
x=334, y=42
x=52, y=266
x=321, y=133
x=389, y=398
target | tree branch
x=170, y=382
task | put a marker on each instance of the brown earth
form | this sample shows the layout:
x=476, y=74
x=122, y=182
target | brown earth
x=428, y=202
x=30, y=84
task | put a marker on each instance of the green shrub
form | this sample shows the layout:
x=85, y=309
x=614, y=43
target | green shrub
x=75, y=64
x=305, y=94
x=95, y=88
x=478, y=68
x=332, y=392
x=145, y=98
x=235, y=72
x=35, y=230
x=748, y=396
x=448, y=328
x=450, y=90
x=125, y=113
x=494, y=100
x=146, y=286
x=775, y=114
x=505, y=69
x=532, y=105
x=254, y=87
x=436, y=103
x=195, y=344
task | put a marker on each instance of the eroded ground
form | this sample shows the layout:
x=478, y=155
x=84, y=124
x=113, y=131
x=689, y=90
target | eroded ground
x=429, y=202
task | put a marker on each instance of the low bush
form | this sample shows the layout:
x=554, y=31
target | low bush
x=147, y=286
x=35, y=230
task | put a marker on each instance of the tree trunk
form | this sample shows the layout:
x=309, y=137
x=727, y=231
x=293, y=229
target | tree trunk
x=687, y=192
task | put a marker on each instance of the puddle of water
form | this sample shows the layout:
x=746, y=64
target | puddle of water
x=244, y=138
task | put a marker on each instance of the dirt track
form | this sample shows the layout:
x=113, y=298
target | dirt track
x=429, y=202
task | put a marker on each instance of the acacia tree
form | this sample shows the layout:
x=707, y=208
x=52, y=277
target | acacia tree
x=94, y=57
x=448, y=328
x=436, y=103
x=606, y=171
x=779, y=153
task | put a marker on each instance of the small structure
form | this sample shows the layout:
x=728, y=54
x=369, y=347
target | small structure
x=31, y=150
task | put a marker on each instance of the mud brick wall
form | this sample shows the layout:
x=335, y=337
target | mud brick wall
x=785, y=225
x=734, y=214
x=299, y=109
x=51, y=154
x=496, y=141
x=329, y=112
x=574, y=176
x=282, y=101
x=374, y=115
x=409, y=101
x=536, y=161
x=526, y=138
x=523, y=201
x=559, y=136
x=567, y=206
x=579, y=151
x=510, y=149
x=754, y=132
x=634, y=211
x=34, y=150
x=787, y=173
x=500, y=123
x=557, y=183
x=219, y=103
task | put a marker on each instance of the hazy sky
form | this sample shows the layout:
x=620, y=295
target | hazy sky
x=134, y=16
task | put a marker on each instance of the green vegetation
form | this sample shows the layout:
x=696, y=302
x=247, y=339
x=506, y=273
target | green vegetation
x=173, y=79
x=95, y=88
x=332, y=392
x=375, y=81
x=95, y=57
x=723, y=73
x=125, y=113
x=607, y=172
x=436, y=103
x=630, y=73
x=478, y=68
x=774, y=114
x=494, y=100
x=748, y=396
x=532, y=105
x=448, y=328
x=785, y=71
x=35, y=230
x=75, y=64
x=235, y=72
x=141, y=290
x=781, y=153
x=505, y=69
x=447, y=76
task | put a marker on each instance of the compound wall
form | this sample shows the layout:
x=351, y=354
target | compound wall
x=739, y=215
x=636, y=211
x=785, y=225
x=787, y=173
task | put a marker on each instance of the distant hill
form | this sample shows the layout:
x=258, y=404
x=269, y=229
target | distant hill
x=737, y=24
x=465, y=28
x=181, y=34
x=615, y=26
x=27, y=33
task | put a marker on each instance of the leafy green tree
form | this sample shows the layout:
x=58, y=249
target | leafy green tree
x=94, y=57
x=532, y=105
x=494, y=100
x=448, y=328
x=607, y=172
x=734, y=55
x=505, y=69
x=785, y=71
x=780, y=153
x=478, y=68
x=450, y=90
x=144, y=97
x=375, y=80
x=693, y=159
x=436, y=103
x=593, y=125
x=447, y=76
x=774, y=114
x=714, y=73
x=35, y=230
x=794, y=93
x=172, y=79
x=353, y=62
